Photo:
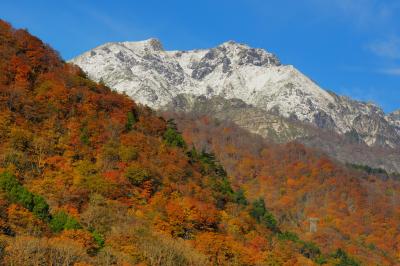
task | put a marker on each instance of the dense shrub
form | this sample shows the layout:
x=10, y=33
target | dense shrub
x=128, y=154
x=308, y=249
x=344, y=259
x=262, y=215
x=137, y=175
x=239, y=197
x=172, y=137
x=130, y=121
x=16, y=193
x=98, y=238
x=62, y=221
x=34, y=251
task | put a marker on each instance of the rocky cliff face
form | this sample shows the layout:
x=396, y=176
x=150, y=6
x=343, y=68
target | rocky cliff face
x=394, y=119
x=154, y=77
x=344, y=147
x=256, y=120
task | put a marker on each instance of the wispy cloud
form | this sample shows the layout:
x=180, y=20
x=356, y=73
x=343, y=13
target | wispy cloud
x=363, y=14
x=391, y=71
x=111, y=23
x=376, y=19
x=385, y=97
x=370, y=94
x=389, y=48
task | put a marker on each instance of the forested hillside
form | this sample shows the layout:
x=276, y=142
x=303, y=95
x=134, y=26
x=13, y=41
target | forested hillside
x=357, y=207
x=88, y=177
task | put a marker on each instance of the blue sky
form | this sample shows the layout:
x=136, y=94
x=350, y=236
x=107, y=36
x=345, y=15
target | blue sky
x=351, y=47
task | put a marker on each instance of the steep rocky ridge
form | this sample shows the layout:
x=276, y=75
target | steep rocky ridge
x=153, y=76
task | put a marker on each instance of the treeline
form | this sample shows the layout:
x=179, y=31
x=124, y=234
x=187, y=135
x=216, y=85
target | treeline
x=374, y=171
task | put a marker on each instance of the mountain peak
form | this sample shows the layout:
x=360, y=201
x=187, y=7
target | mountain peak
x=232, y=43
x=243, y=54
x=153, y=44
x=154, y=77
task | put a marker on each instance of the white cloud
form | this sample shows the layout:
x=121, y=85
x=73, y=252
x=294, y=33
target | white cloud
x=391, y=71
x=389, y=48
x=377, y=18
x=364, y=14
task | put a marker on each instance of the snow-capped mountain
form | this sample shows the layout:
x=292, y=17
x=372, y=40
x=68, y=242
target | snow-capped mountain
x=153, y=76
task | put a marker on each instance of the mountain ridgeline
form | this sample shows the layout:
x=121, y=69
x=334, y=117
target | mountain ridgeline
x=155, y=77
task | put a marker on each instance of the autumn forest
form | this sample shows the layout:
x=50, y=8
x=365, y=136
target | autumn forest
x=89, y=177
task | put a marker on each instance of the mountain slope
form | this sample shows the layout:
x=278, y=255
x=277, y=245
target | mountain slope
x=299, y=183
x=346, y=148
x=154, y=77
